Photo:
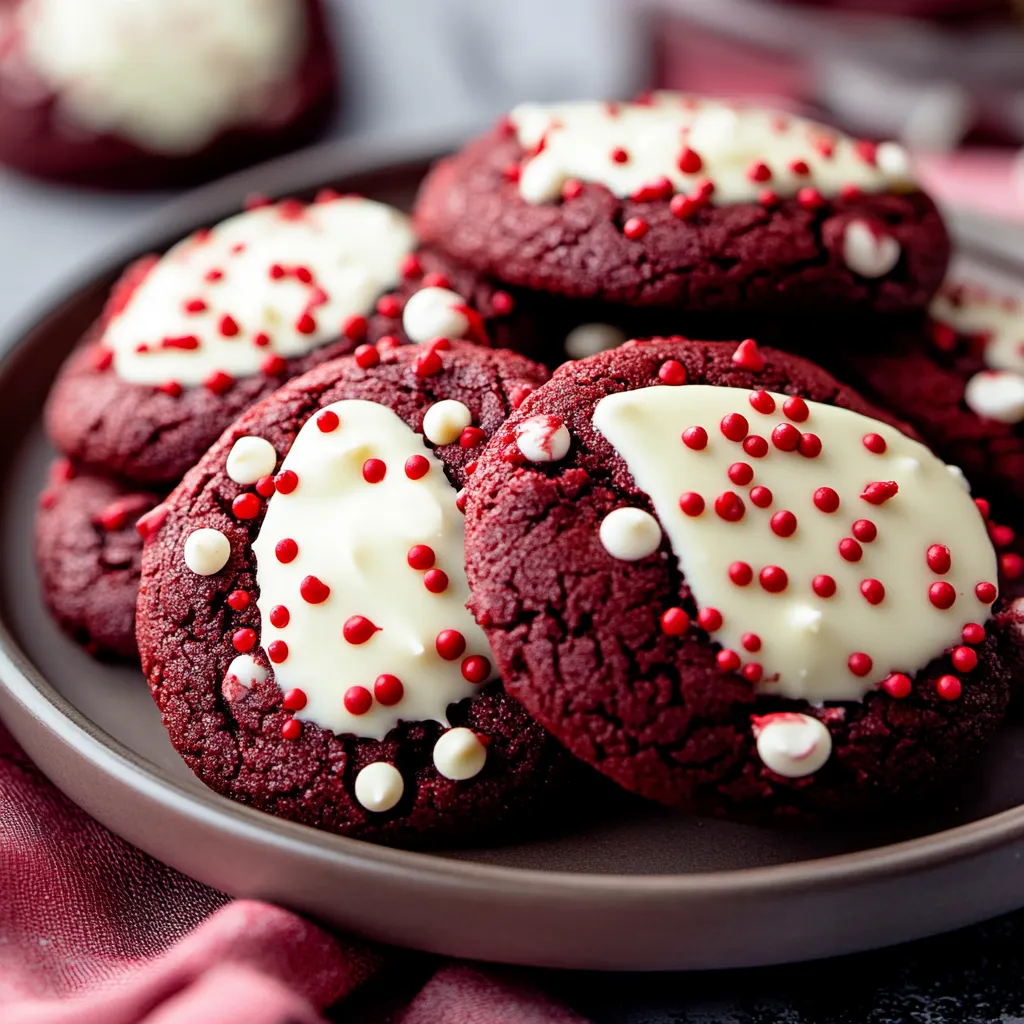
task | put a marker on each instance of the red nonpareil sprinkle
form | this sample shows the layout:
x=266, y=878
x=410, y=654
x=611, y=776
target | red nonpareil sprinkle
x=436, y=581
x=942, y=595
x=280, y=616
x=388, y=689
x=752, y=672
x=948, y=687
x=674, y=622
x=826, y=500
x=761, y=401
x=274, y=365
x=850, y=550
x=228, y=326
x=849, y=192
x=865, y=530
x=695, y=438
x=1002, y=536
x=672, y=372
x=728, y=661
x=619, y=155
x=450, y=644
x=810, y=199
x=276, y=272
x=635, y=228
x=897, y=685
x=709, y=619
x=572, y=189
x=410, y=266
x=291, y=729
x=859, y=664
x=939, y=559
x=872, y=591
x=729, y=506
x=286, y=550
x=389, y=306
x=261, y=340
x=294, y=700
x=750, y=357
x=148, y=524
x=879, y=492
x=826, y=147
x=421, y=556
x=511, y=172
x=246, y=506
x=184, y=342
x=1011, y=565
x=366, y=357
x=705, y=189
x=823, y=586
x=783, y=524
x=689, y=161
x=691, y=503
x=762, y=497
x=358, y=700
x=983, y=507
x=304, y=274
x=113, y=517
x=435, y=279
x=796, y=410
x=374, y=471
x=502, y=303
x=306, y=323
x=428, y=364
x=461, y=499
x=416, y=466
x=328, y=421
x=683, y=207
x=313, y=590
x=102, y=358
x=965, y=659
x=170, y=387
x=741, y=574
x=985, y=592
x=751, y=642
x=799, y=168
x=875, y=443
x=286, y=481
x=214, y=275
x=475, y=668
x=243, y=640
x=773, y=578
x=943, y=336
x=973, y=633
x=734, y=426
x=354, y=328
x=519, y=395
x=768, y=197
x=809, y=446
x=786, y=437
x=759, y=171
x=265, y=486
x=238, y=600
x=740, y=473
x=358, y=629
x=471, y=437
x=755, y=446
x=866, y=150
x=256, y=200
x=653, y=191
x=194, y=306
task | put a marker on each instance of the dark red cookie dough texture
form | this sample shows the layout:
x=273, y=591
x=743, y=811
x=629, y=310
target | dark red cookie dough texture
x=36, y=141
x=236, y=747
x=89, y=556
x=740, y=258
x=578, y=640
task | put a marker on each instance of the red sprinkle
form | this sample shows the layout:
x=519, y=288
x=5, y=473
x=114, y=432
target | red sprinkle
x=358, y=700
x=773, y=578
x=261, y=340
x=149, y=523
x=228, y=326
x=879, y=492
x=246, y=506
x=274, y=365
x=948, y=687
x=219, y=382
x=683, y=207
x=809, y=446
x=783, y=524
x=826, y=499
x=367, y=356
x=689, y=161
x=471, y=437
x=897, y=685
x=874, y=443
x=635, y=228
x=865, y=530
x=695, y=438
x=786, y=437
x=728, y=661
x=942, y=595
x=195, y=306
x=280, y=616
x=823, y=586
x=751, y=642
x=985, y=592
x=450, y=644
x=750, y=357
x=672, y=372
x=759, y=171
x=286, y=550
x=810, y=199
x=292, y=729
x=389, y=306
x=965, y=659
x=354, y=328
x=799, y=168
x=939, y=560
x=850, y=550
x=741, y=574
x=170, y=387
x=428, y=364
x=421, y=556
x=294, y=700
x=328, y=421
x=475, y=668
x=306, y=324
x=619, y=155
x=286, y=481
x=796, y=409
x=416, y=466
x=1011, y=565
x=314, y=590
x=973, y=633
x=436, y=581
x=729, y=506
x=358, y=629
x=102, y=358
x=741, y=473
x=265, y=486
x=983, y=507
x=709, y=619
x=674, y=622
x=752, y=672
x=238, y=600
x=410, y=266
x=572, y=189
x=374, y=471
x=691, y=503
x=860, y=664
x=761, y=401
x=388, y=689
x=502, y=303
x=755, y=446
x=762, y=497
x=873, y=591
x=734, y=426
x=244, y=640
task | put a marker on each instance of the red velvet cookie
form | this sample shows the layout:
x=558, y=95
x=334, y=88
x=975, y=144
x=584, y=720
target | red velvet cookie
x=694, y=204
x=117, y=94
x=302, y=617
x=726, y=581
x=192, y=339
x=89, y=556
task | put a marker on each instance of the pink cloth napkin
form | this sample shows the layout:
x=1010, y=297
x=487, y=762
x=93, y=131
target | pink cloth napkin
x=92, y=931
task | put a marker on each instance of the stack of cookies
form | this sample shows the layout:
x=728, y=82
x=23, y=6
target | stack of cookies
x=411, y=585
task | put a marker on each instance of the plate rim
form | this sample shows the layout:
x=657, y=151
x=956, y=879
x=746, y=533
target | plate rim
x=30, y=689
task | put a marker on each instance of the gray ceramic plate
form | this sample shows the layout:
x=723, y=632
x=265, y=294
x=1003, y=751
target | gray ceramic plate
x=645, y=889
